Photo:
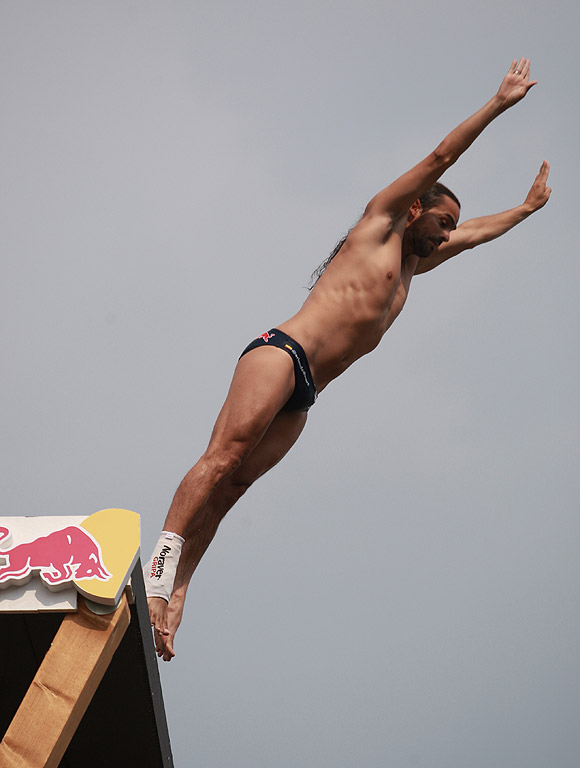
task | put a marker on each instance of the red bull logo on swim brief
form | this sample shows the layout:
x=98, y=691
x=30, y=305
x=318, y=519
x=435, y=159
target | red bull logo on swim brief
x=266, y=336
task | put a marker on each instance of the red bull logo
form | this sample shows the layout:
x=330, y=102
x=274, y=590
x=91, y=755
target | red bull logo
x=60, y=557
x=266, y=336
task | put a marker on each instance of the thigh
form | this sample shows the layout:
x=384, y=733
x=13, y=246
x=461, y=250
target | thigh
x=278, y=439
x=263, y=382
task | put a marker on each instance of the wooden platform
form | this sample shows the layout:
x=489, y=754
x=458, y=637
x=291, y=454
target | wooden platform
x=124, y=724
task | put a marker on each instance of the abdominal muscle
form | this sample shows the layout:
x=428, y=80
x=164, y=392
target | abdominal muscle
x=349, y=310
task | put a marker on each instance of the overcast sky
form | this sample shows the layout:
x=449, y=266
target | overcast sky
x=403, y=589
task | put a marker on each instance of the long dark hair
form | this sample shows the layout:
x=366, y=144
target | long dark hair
x=429, y=199
x=321, y=267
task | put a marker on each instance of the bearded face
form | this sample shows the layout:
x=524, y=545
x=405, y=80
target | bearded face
x=433, y=227
x=425, y=235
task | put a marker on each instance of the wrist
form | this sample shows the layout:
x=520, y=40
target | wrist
x=179, y=592
x=526, y=209
x=498, y=104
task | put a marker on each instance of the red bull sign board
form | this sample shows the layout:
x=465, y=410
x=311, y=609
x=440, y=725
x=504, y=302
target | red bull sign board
x=44, y=556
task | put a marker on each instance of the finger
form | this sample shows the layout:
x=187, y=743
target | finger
x=513, y=67
x=160, y=642
x=169, y=652
x=544, y=171
x=525, y=67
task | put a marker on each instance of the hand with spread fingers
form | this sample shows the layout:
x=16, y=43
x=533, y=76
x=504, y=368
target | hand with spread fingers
x=516, y=83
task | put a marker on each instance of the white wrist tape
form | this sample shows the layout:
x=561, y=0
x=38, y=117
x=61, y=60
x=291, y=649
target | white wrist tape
x=159, y=574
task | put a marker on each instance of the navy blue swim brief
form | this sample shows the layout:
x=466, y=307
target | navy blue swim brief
x=304, y=393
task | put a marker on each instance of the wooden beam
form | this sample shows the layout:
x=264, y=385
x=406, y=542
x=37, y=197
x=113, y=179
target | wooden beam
x=63, y=687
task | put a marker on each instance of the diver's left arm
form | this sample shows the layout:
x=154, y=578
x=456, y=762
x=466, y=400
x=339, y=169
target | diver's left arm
x=482, y=230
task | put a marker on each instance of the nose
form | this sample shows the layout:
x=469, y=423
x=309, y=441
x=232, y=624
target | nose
x=445, y=235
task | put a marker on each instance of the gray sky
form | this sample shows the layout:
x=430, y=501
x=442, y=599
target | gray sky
x=403, y=589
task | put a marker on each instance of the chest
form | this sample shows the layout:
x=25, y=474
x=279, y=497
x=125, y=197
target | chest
x=392, y=275
x=396, y=287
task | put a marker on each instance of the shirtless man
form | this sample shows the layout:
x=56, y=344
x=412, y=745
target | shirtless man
x=408, y=228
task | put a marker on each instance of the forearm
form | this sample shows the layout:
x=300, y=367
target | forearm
x=513, y=88
x=462, y=137
x=483, y=229
x=486, y=228
x=396, y=199
x=194, y=548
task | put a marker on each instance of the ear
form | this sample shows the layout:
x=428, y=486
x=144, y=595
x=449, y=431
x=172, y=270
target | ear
x=415, y=211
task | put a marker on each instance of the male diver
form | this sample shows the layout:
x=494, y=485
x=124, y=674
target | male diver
x=408, y=228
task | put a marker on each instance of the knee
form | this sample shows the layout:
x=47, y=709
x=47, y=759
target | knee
x=222, y=462
x=233, y=489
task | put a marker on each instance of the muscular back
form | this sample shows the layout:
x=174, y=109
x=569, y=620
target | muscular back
x=356, y=299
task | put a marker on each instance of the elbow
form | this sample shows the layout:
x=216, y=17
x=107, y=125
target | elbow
x=442, y=157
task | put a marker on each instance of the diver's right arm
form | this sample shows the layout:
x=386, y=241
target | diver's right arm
x=397, y=198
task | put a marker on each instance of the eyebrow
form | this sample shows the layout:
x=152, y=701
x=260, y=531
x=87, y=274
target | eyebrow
x=450, y=218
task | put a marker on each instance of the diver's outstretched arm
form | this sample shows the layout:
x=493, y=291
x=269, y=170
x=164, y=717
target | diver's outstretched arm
x=482, y=230
x=396, y=199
